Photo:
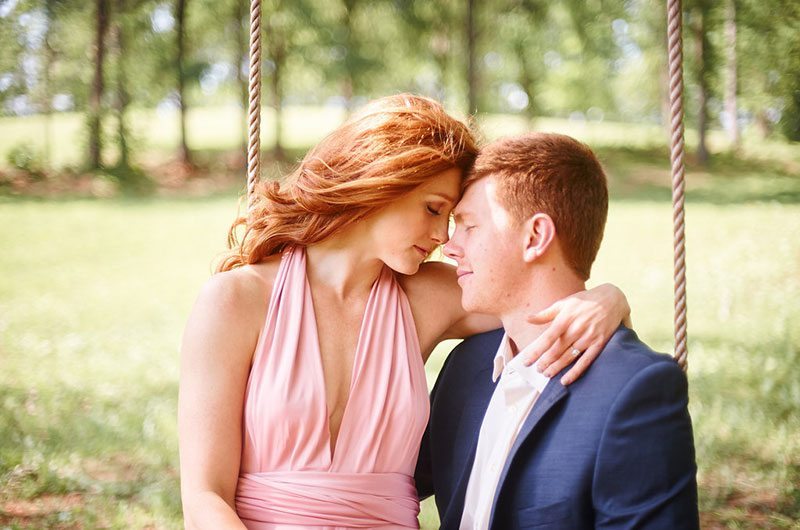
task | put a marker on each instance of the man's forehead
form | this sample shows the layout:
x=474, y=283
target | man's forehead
x=470, y=199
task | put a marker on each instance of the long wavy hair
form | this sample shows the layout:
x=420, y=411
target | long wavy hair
x=390, y=147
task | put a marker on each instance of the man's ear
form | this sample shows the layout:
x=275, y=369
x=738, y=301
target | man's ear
x=539, y=232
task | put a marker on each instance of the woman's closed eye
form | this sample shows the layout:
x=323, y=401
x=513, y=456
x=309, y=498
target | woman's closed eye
x=433, y=210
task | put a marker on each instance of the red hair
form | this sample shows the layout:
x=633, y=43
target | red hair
x=390, y=147
x=556, y=175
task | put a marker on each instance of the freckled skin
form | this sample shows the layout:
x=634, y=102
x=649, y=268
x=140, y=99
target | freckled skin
x=489, y=249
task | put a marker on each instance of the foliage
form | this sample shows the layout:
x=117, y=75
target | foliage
x=589, y=60
x=24, y=156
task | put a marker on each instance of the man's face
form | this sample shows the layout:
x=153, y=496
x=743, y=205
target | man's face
x=488, y=248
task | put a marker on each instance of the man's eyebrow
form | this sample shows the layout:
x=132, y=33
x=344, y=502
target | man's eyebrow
x=460, y=214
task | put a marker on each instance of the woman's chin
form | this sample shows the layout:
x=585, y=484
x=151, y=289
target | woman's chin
x=407, y=268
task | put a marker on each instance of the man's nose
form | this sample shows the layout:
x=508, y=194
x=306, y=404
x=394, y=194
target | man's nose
x=452, y=249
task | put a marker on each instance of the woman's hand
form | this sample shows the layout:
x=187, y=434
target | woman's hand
x=580, y=326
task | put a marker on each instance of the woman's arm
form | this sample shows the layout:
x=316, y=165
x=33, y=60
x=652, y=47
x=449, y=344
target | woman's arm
x=217, y=348
x=585, y=320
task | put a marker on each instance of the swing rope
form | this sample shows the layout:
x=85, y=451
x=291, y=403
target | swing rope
x=677, y=150
x=254, y=107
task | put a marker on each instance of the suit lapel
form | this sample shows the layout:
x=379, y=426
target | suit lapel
x=553, y=393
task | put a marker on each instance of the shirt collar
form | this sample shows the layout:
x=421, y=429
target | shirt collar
x=505, y=361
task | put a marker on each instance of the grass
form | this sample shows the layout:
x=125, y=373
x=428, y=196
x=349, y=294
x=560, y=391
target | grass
x=94, y=295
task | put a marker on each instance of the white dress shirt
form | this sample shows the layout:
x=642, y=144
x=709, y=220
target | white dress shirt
x=512, y=400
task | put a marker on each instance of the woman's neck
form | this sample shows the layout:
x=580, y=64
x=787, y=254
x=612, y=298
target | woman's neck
x=343, y=265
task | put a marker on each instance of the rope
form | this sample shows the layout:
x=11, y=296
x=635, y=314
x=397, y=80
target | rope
x=254, y=108
x=677, y=151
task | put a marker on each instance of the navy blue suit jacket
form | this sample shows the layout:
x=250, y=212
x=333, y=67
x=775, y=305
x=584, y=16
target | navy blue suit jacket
x=612, y=450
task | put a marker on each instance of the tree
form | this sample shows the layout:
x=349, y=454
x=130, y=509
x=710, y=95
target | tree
x=180, y=60
x=430, y=37
x=122, y=97
x=471, y=34
x=768, y=62
x=700, y=13
x=47, y=79
x=96, y=95
x=731, y=78
x=525, y=20
x=240, y=24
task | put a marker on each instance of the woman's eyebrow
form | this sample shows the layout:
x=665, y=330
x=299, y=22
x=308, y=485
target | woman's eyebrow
x=445, y=196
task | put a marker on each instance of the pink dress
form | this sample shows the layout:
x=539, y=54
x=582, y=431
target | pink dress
x=288, y=477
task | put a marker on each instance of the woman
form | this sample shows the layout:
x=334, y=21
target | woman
x=303, y=396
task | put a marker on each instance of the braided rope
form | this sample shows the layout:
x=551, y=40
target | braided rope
x=254, y=107
x=677, y=151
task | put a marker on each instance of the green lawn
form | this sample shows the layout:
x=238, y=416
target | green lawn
x=94, y=295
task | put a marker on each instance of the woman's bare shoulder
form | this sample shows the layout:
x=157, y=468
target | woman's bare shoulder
x=435, y=299
x=231, y=309
x=242, y=288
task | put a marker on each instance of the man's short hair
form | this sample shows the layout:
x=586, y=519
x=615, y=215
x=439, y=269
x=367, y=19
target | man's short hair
x=556, y=175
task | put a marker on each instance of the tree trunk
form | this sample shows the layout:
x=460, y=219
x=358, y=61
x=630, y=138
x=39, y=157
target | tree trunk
x=96, y=95
x=122, y=96
x=526, y=80
x=701, y=52
x=277, y=100
x=242, y=39
x=440, y=47
x=472, y=94
x=185, y=154
x=763, y=124
x=47, y=95
x=276, y=45
x=731, y=109
x=351, y=51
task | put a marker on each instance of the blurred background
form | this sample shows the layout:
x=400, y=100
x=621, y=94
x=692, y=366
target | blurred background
x=122, y=133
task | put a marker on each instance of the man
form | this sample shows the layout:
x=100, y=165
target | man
x=506, y=447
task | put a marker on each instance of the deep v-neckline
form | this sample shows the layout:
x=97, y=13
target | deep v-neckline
x=354, y=372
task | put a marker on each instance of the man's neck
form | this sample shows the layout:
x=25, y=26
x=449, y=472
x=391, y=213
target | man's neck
x=540, y=291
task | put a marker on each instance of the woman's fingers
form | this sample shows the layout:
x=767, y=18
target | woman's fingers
x=565, y=358
x=560, y=346
x=546, y=315
x=585, y=361
x=547, y=346
x=552, y=355
x=571, y=344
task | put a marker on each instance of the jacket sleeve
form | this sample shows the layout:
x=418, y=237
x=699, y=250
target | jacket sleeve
x=645, y=474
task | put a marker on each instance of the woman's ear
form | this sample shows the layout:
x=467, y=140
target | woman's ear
x=539, y=232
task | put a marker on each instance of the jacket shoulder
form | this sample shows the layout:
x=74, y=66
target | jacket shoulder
x=477, y=349
x=625, y=357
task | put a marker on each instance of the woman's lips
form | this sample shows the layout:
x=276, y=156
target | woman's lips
x=422, y=251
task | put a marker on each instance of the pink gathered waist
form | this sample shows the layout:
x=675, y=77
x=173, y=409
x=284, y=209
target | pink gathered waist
x=326, y=499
